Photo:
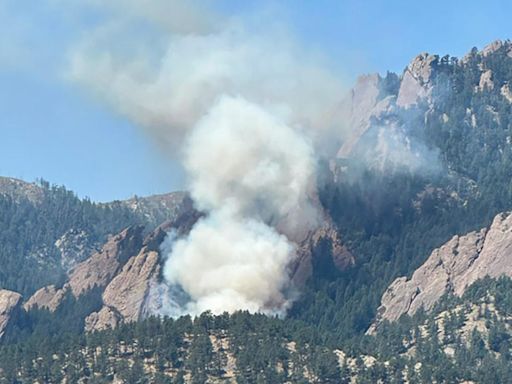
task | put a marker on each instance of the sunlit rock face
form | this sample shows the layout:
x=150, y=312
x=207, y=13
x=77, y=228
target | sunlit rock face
x=452, y=267
x=10, y=302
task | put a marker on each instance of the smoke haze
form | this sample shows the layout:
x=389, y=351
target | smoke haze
x=244, y=111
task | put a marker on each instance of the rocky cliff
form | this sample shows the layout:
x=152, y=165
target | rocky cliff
x=10, y=302
x=387, y=116
x=380, y=111
x=451, y=268
x=127, y=269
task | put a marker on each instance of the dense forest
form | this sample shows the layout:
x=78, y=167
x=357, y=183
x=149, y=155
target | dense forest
x=393, y=220
x=463, y=338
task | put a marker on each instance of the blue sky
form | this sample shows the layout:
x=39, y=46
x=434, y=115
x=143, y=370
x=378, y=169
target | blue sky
x=50, y=128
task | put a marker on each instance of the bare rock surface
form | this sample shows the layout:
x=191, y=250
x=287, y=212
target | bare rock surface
x=452, y=267
x=362, y=101
x=416, y=80
x=128, y=291
x=47, y=297
x=104, y=319
x=486, y=81
x=100, y=268
x=9, y=302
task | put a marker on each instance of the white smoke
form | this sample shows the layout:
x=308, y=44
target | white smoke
x=167, y=83
x=243, y=110
x=228, y=263
x=248, y=170
x=240, y=155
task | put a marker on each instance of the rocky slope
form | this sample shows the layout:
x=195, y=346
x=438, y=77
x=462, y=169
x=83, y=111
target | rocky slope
x=128, y=267
x=451, y=268
x=125, y=268
x=9, y=303
x=388, y=116
x=17, y=189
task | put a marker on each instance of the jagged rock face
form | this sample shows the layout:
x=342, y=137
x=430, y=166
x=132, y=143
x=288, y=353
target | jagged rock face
x=496, y=46
x=452, y=267
x=381, y=115
x=104, y=319
x=416, y=81
x=9, y=302
x=101, y=267
x=386, y=123
x=486, y=81
x=363, y=100
x=47, y=297
x=126, y=297
x=97, y=271
x=128, y=291
x=128, y=268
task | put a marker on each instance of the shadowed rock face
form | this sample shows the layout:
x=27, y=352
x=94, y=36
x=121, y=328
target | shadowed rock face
x=452, y=267
x=9, y=303
x=342, y=258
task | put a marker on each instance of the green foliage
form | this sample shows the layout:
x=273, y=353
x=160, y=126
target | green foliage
x=28, y=231
x=392, y=221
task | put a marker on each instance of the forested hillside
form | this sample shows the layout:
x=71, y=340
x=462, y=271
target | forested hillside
x=29, y=229
x=46, y=229
x=393, y=218
x=466, y=338
x=390, y=214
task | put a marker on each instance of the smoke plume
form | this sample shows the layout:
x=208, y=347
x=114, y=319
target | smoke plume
x=244, y=111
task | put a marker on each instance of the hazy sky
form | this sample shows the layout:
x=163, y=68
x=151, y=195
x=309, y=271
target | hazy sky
x=52, y=129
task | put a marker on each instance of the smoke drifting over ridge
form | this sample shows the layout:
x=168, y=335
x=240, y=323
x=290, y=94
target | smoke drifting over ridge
x=245, y=111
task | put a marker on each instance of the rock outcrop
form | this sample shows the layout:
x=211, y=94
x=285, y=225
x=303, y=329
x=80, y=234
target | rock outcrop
x=362, y=104
x=45, y=298
x=381, y=115
x=96, y=271
x=127, y=268
x=100, y=268
x=104, y=319
x=416, y=81
x=10, y=302
x=451, y=268
x=325, y=240
x=128, y=291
